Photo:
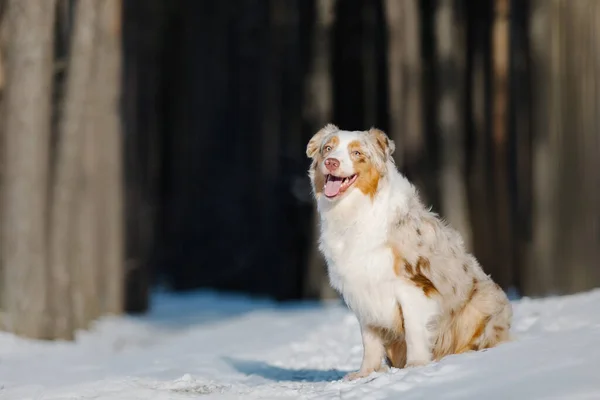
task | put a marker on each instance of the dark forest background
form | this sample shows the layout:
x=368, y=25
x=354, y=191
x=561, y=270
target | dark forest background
x=161, y=143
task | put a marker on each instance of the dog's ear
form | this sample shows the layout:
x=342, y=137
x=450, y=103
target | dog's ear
x=315, y=142
x=384, y=143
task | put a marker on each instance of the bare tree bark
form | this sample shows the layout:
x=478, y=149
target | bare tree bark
x=578, y=151
x=586, y=61
x=67, y=258
x=3, y=48
x=450, y=67
x=500, y=56
x=404, y=77
x=395, y=18
x=109, y=142
x=27, y=102
x=563, y=257
x=414, y=140
x=537, y=277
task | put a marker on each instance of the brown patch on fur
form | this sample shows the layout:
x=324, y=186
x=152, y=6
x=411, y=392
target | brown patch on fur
x=419, y=232
x=368, y=175
x=454, y=289
x=334, y=142
x=499, y=328
x=473, y=291
x=409, y=268
x=312, y=149
x=423, y=264
x=424, y=283
x=416, y=275
x=420, y=279
x=479, y=331
x=314, y=144
x=397, y=260
x=465, y=268
x=319, y=182
x=396, y=353
x=382, y=141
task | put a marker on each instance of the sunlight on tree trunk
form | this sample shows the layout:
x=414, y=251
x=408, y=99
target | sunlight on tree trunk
x=27, y=100
x=450, y=68
x=66, y=250
x=563, y=257
x=110, y=155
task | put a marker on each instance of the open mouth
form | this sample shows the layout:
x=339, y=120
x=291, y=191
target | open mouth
x=336, y=185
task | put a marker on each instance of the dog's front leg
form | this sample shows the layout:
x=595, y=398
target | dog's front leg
x=373, y=352
x=419, y=312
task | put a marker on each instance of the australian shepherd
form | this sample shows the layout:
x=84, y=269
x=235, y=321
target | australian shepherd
x=418, y=295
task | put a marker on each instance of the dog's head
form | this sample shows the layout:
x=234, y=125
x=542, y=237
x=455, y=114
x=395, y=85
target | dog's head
x=344, y=161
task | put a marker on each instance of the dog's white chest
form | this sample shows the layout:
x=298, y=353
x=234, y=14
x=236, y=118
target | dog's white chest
x=365, y=279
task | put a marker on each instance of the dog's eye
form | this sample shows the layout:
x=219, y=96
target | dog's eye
x=327, y=148
x=356, y=153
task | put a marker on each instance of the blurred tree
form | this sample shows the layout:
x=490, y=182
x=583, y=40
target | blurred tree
x=403, y=20
x=63, y=264
x=504, y=244
x=450, y=52
x=107, y=132
x=564, y=251
x=27, y=103
x=70, y=202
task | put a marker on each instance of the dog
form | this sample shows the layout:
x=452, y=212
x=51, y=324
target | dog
x=417, y=293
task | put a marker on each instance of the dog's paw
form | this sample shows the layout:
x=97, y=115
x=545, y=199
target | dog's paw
x=352, y=376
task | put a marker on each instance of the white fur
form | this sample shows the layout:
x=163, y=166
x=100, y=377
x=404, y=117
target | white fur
x=419, y=312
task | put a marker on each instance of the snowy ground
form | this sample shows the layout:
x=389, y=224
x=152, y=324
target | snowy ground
x=209, y=346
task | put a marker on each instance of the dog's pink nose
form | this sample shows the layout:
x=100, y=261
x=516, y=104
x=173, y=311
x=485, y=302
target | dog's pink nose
x=332, y=164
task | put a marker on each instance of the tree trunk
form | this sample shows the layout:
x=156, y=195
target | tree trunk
x=500, y=56
x=405, y=97
x=395, y=18
x=27, y=103
x=67, y=258
x=450, y=74
x=109, y=142
x=3, y=48
x=563, y=257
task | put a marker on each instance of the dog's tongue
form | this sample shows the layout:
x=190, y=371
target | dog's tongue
x=332, y=186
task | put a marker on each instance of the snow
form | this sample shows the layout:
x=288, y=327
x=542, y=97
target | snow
x=210, y=346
